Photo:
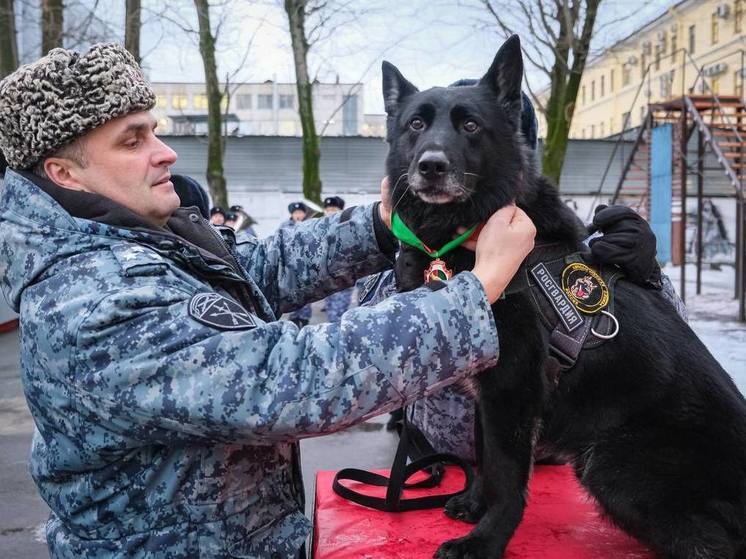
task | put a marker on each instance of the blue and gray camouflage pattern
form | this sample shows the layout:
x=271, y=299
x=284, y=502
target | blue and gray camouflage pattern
x=446, y=418
x=160, y=436
x=337, y=304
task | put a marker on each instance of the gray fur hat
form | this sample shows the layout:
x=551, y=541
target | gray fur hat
x=45, y=104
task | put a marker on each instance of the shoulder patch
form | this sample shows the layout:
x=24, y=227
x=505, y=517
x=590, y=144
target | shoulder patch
x=220, y=312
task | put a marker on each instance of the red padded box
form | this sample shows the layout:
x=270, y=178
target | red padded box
x=561, y=522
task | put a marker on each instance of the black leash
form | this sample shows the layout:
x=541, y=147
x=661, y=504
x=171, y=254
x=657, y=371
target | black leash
x=423, y=457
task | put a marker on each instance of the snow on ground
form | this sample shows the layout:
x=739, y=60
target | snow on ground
x=713, y=316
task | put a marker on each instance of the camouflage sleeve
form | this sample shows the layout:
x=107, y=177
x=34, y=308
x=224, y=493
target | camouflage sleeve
x=668, y=291
x=143, y=365
x=314, y=258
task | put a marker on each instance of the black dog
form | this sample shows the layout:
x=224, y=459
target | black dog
x=654, y=427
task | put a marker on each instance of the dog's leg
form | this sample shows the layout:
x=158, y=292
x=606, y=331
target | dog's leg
x=510, y=400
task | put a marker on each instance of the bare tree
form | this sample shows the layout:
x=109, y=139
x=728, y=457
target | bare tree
x=297, y=11
x=132, y=28
x=8, y=42
x=51, y=25
x=215, y=174
x=556, y=37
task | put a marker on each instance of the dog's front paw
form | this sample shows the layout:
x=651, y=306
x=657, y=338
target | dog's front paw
x=465, y=507
x=468, y=547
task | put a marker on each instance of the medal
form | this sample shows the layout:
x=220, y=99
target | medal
x=437, y=271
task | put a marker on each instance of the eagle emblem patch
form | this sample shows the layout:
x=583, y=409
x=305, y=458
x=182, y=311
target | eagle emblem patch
x=585, y=288
x=220, y=312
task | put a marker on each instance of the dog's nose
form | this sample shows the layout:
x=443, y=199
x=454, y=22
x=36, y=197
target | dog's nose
x=433, y=164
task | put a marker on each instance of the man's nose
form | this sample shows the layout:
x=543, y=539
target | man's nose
x=433, y=164
x=164, y=155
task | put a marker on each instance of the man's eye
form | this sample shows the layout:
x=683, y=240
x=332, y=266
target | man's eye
x=471, y=126
x=416, y=124
x=132, y=143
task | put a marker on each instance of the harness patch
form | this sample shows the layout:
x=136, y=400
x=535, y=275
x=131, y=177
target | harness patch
x=568, y=314
x=218, y=311
x=585, y=288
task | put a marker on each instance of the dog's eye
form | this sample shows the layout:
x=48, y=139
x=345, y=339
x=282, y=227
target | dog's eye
x=471, y=126
x=416, y=124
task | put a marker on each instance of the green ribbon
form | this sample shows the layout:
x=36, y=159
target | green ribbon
x=407, y=236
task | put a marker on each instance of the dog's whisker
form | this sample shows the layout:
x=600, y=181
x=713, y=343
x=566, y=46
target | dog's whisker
x=403, y=193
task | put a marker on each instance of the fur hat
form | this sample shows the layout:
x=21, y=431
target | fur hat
x=46, y=104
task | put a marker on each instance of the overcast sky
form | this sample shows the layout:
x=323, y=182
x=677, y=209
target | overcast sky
x=433, y=42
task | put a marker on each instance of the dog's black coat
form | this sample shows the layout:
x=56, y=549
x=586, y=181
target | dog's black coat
x=654, y=427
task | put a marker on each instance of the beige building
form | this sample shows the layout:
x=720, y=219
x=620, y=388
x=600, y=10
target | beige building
x=660, y=61
x=260, y=109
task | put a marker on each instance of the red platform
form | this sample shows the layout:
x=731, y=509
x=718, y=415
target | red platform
x=560, y=522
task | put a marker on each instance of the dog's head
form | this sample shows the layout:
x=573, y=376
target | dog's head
x=448, y=144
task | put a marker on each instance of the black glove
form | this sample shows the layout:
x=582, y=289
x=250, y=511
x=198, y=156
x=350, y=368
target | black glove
x=627, y=241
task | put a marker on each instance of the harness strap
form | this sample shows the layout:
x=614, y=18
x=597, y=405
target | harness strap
x=400, y=473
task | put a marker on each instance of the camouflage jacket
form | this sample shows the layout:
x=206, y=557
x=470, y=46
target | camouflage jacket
x=167, y=412
x=446, y=417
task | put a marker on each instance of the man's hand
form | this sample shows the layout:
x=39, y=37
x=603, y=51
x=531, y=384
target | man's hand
x=627, y=241
x=384, y=208
x=505, y=240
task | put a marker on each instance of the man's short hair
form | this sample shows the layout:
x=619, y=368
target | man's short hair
x=73, y=150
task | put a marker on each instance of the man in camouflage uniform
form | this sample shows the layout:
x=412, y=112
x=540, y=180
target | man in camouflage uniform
x=168, y=400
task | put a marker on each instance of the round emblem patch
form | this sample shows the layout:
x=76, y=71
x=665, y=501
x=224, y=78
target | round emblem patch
x=585, y=288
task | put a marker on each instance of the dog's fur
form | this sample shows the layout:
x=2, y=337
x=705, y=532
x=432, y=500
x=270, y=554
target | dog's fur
x=654, y=427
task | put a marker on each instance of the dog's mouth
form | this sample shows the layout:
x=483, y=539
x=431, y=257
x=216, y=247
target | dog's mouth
x=440, y=191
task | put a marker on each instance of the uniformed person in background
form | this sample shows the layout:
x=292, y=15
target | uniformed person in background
x=167, y=397
x=337, y=303
x=298, y=212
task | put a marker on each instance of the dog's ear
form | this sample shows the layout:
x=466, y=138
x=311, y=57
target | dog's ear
x=505, y=76
x=395, y=88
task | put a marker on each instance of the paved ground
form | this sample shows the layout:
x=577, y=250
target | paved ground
x=22, y=513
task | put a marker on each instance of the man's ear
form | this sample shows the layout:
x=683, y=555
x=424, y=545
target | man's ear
x=505, y=76
x=395, y=88
x=62, y=172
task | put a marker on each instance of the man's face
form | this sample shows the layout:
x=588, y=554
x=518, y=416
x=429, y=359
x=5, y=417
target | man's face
x=298, y=215
x=217, y=219
x=330, y=210
x=128, y=164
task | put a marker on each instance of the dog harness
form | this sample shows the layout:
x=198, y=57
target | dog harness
x=574, y=301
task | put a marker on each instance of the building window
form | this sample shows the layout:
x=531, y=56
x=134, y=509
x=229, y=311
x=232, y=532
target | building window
x=625, y=120
x=584, y=133
x=692, y=38
x=264, y=102
x=179, y=102
x=287, y=101
x=643, y=65
x=626, y=75
x=715, y=86
x=601, y=130
x=582, y=95
x=161, y=101
x=658, y=57
x=200, y=101
x=714, y=28
x=243, y=101
x=738, y=83
x=593, y=131
x=737, y=15
x=611, y=125
x=642, y=114
x=611, y=81
x=674, y=46
x=603, y=86
x=593, y=90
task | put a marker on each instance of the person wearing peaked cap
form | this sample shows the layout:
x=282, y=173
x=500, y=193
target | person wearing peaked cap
x=337, y=303
x=168, y=399
x=217, y=215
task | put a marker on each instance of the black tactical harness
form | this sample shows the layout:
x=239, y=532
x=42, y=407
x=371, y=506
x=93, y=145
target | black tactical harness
x=570, y=331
